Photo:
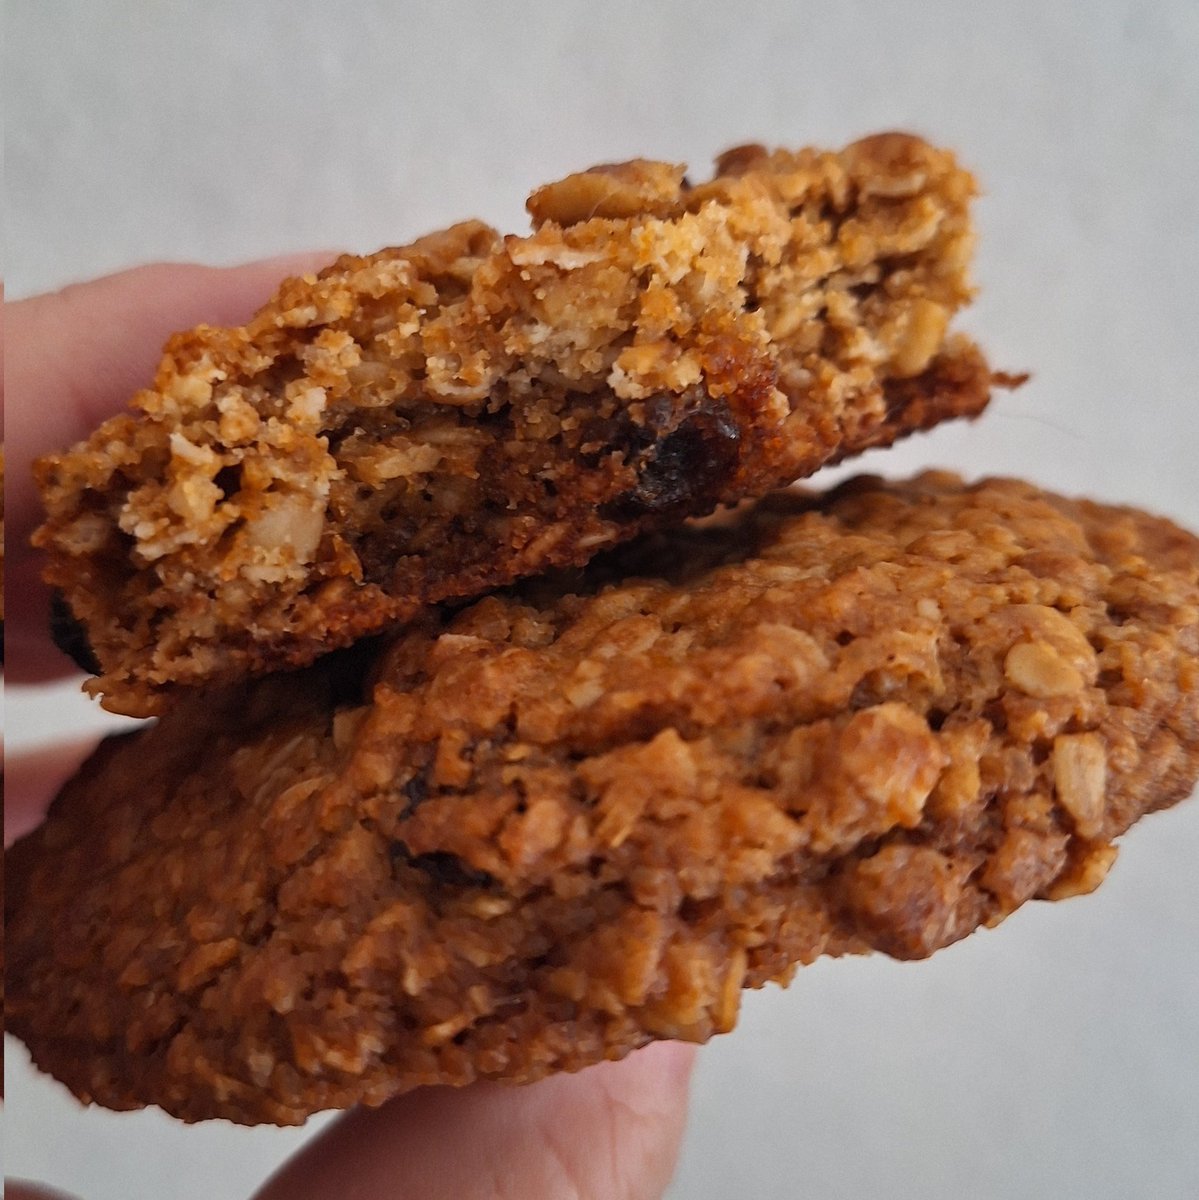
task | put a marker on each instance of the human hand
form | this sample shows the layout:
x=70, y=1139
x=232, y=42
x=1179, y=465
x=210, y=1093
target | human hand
x=610, y=1132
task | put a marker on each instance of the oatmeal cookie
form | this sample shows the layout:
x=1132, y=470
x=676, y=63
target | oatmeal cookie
x=584, y=814
x=440, y=419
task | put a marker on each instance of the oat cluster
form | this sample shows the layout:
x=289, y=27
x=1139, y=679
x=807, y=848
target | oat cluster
x=586, y=812
x=435, y=420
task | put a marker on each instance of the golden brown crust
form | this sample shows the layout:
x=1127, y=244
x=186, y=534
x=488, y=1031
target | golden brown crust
x=582, y=815
x=433, y=421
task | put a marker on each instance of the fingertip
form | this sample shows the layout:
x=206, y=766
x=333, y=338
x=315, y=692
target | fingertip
x=33, y=779
x=30, y=654
x=671, y=1061
x=15, y=1189
x=610, y=1130
x=77, y=356
x=654, y=1080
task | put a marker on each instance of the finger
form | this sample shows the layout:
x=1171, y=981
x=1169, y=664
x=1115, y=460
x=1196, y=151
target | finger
x=612, y=1131
x=74, y=358
x=77, y=355
x=32, y=780
x=30, y=655
x=14, y=1189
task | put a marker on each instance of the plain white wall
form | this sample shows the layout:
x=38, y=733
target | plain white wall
x=1057, y=1056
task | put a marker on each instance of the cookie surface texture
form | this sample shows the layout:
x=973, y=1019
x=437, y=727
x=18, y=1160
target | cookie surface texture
x=436, y=420
x=584, y=814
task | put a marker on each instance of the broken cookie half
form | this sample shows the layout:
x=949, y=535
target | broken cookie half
x=433, y=421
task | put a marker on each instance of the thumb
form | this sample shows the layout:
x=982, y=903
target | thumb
x=611, y=1132
x=15, y=1190
x=74, y=358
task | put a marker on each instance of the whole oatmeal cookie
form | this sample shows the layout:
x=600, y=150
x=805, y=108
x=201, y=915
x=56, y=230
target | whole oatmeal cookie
x=567, y=820
x=436, y=420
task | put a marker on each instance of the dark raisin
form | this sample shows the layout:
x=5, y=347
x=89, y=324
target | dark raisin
x=443, y=868
x=349, y=673
x=416, y=790
x=228, y=479
x=70, y=636
x=621, y=434
x=686, y=469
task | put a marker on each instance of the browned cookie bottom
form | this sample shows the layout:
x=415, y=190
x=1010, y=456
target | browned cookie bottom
x=584, y=814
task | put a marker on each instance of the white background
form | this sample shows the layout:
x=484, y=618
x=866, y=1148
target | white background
x=1055, y=1057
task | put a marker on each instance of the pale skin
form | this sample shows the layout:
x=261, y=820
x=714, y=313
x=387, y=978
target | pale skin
x=608, y=1133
